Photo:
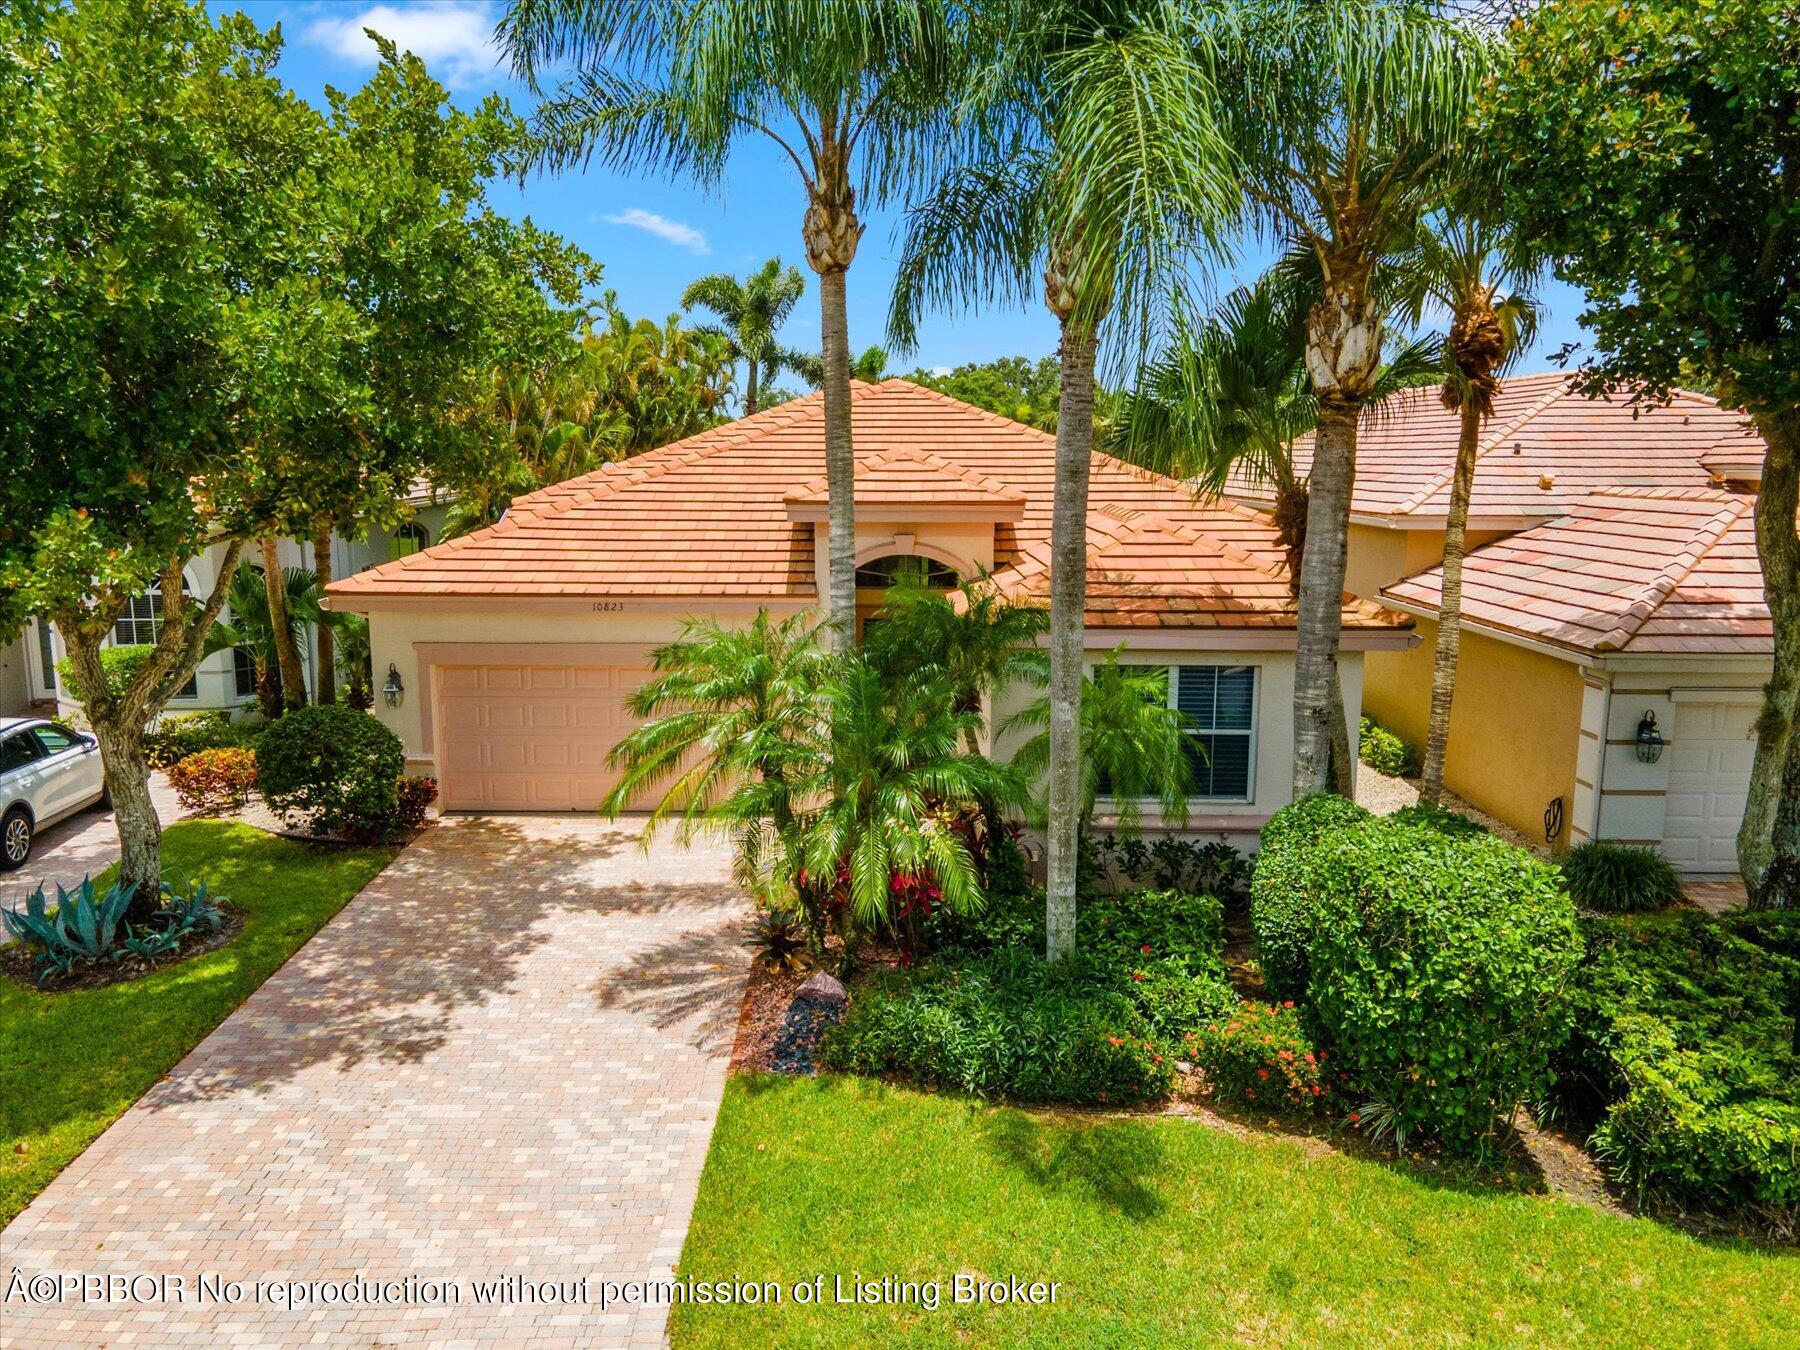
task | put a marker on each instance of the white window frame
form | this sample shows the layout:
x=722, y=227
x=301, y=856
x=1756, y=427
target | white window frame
x=1172, y=679
x=189, y=692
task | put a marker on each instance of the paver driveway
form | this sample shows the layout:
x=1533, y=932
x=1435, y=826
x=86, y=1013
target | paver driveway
x=502, y=1059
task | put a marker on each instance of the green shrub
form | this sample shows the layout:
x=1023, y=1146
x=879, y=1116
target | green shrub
x=1438, y=970
x=1619, y=878
x=1437, y=818
x=1008, y=1024
x=1176, y=998
x=185, y=734
x=117, y=664
x=1385, y=752
x=1279, y=912
x=1774, y=930
x=1682, y=1061
x=332, y=768
x=1259, y=1056
x=1135, y=926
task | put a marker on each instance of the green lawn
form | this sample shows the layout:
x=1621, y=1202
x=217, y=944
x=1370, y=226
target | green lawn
x=1166, y=1231
x=71, y=1063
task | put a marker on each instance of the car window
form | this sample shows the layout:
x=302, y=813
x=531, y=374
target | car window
x=56, y=739
x=18, y=750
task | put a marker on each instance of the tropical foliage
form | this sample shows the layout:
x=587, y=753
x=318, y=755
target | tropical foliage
x=247, y=625
x=751, y=313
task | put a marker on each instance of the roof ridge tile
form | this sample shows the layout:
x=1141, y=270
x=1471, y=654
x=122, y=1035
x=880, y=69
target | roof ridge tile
x=1670, y=575
x=1436, y=483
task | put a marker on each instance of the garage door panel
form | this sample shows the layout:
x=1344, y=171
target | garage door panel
x=1709, y=781
x=530, y=737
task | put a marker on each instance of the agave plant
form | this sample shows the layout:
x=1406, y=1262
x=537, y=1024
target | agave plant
x=80, y=931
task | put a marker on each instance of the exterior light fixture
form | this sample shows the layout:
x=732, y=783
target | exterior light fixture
x=393, y=692
x=1649, y=740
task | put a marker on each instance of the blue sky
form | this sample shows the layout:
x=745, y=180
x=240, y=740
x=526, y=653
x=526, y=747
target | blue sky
x=654, y=236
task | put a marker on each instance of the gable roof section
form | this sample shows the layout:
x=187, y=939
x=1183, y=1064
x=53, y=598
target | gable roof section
x=1636, y=571
x=708, y=518
x=913, y=485
x=1545, y=447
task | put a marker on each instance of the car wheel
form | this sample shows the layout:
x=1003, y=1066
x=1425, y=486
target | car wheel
x=15, y=839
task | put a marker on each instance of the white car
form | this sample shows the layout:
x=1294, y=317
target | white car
x=47, y=772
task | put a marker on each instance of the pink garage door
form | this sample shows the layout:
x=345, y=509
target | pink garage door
x=529, y=738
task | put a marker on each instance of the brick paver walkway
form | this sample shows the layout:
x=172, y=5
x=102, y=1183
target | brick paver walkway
x=504, y=1058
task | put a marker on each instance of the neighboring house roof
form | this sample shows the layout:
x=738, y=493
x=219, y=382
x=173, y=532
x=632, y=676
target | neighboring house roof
x=1545, y=447
x=1635, y=571
x=709, y=518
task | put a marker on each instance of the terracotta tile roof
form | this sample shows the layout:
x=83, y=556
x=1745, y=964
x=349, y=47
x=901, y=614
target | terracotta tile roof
x=707, y=517
x=1629, y=570
x=910, y=481
x=1545, y=447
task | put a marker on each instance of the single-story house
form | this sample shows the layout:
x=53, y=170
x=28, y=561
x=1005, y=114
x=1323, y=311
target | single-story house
x=1612, y=576
x=224, y=680
x=514, y=647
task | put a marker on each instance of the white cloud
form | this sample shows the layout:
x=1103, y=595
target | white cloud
x=686, y=236
x=940, y=371
x=455, y=38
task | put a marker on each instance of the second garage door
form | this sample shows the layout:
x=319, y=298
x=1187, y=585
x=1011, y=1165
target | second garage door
x=529, y=738
x=1709, y=780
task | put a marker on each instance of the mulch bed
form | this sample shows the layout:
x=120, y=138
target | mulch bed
x=766, y=1000
x=18, y=961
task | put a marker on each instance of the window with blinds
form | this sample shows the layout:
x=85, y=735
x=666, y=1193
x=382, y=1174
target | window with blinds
x=1219, y=707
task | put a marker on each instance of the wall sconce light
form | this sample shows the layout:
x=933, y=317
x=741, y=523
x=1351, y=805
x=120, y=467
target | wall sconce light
x=393, y=692
x=1649, y=740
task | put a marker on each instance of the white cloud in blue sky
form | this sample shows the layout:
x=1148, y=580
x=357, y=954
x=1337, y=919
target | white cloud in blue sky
x=454, y=37
x=685, y=236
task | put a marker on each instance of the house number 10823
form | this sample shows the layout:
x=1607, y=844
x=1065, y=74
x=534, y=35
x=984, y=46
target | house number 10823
x=608, y=606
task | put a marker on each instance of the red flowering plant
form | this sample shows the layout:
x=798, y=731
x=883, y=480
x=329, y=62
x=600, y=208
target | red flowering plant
x=1260, y=1057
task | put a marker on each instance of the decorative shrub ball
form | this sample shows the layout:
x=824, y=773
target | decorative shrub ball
x=1620, y=878
x=1259, y=1058
x=1279, y=911
x=332, y=768
x=1440, y=969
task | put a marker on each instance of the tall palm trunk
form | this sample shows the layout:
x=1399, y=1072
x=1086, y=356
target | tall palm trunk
x=1068, y=601
x=1343, y=350
x=1768, y=843
x=324, y=647
x=832, y=232
x=750, y=382
x=1449, y=634
x=287, y=652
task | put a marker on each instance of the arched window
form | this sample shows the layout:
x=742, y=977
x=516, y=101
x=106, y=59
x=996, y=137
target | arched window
x=408, y=539
x=880, y=573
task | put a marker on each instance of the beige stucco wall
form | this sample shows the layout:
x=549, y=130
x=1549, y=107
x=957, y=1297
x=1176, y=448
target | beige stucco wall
x=1379, y=556
x=1514, y=727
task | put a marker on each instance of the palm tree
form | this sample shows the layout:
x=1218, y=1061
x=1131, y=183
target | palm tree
x=870, y=367
x=854, y=92
x=1135, y=744
x=1230, y=401
x=1102, y=167
x=1344, y=114
x=751, y=312
x=247, y=624
x=895, y=770
x=1479, y=269
x=737, y=720
x=978, y=644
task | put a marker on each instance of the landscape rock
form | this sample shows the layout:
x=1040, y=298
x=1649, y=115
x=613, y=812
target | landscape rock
x=823, y=989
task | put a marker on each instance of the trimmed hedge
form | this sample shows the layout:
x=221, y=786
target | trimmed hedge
x=333, y=768
x=1683, y=1060
x=1008, y=1024
x=1439, y=966
x=1620, y=878
x=1385, y=752
x=1279, y=912
x=117, y=664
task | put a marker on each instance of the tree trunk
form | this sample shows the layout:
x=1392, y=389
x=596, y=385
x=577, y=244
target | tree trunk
x=324, y=643
x=268, y=688
x=1343, y=762
x=1449, y=634
x=840, y=460
x=1068, y=601
x=134, y=813
x=750, y=385
x=1768, y=844
x=287, y=652
x=1322, y=596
